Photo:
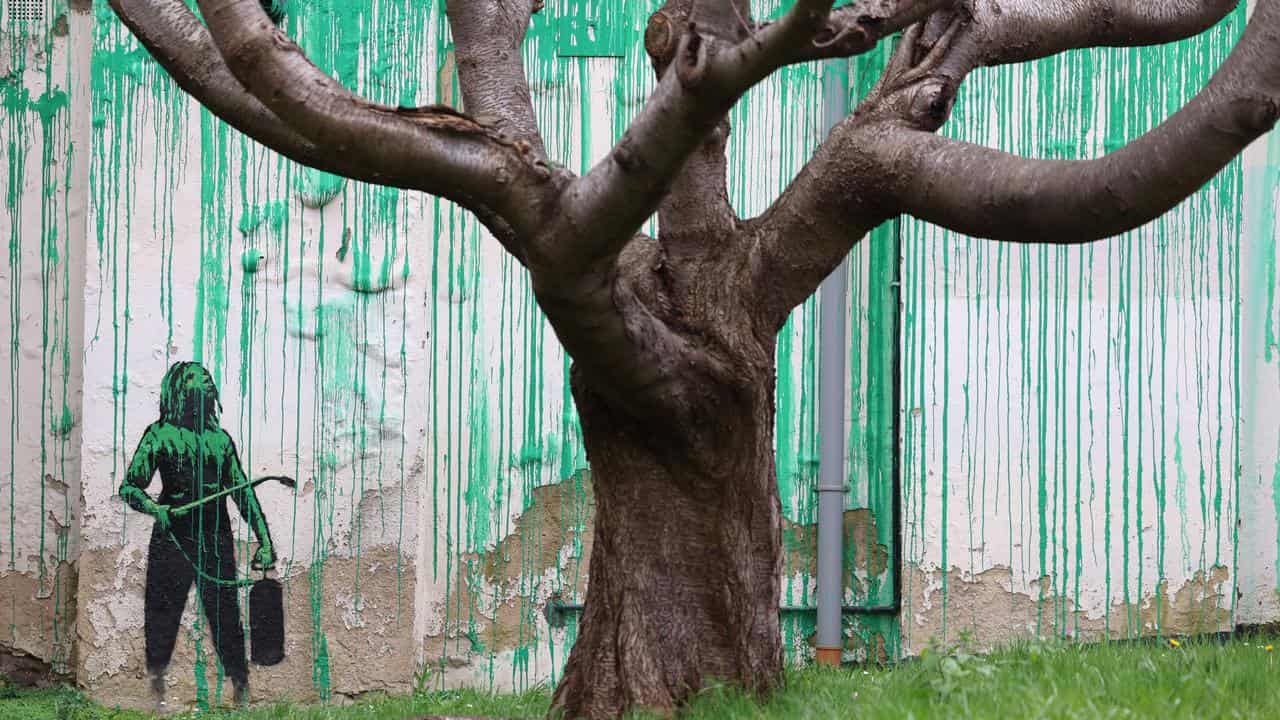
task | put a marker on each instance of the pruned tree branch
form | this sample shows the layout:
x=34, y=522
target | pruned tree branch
x=988, y=193
x=809, y=230
x=487, y=35
x=612, y=308
x=697, y=205
x=1011, y=31
x=439, y=150
x=885, y=160
x=182, y=45
x=698, y=202
x=855, y=29
x=707, y=77
x=838, y=196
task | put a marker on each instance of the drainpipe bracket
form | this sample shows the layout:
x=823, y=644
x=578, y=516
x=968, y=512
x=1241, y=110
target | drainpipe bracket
x=557, y=612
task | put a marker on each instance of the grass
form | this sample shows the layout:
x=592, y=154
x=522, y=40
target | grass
x=1189, y=679
x=69, y=704
x=1196, y=679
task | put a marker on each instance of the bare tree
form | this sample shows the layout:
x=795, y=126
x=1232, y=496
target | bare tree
x=672, y=337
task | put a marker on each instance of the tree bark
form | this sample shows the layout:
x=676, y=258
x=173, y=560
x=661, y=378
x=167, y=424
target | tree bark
x=686, y=562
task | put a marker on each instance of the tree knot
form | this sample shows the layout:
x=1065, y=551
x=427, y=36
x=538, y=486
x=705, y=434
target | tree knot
x=660, y=39
x=1261, y=115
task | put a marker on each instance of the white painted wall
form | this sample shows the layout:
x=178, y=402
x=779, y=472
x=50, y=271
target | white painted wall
x=1073, y=415
x=42, y=221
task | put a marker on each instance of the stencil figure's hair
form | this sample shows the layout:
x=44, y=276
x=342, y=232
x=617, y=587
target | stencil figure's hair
x=189, y=397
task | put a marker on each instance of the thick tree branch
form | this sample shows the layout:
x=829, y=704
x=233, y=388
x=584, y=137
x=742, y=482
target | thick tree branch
x=697, y=203
x=604, y=208
x=988, y=193
x=444, y=152
x=619, y=308
x=838, y=196
x=1011, y=31
x=697, y=207
x=182, y=46
x=804, y=236
x=487, y=35
x=854, y=29
x=884, y=160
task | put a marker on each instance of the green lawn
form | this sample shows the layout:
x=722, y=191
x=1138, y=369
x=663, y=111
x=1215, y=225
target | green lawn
x=1192, y=679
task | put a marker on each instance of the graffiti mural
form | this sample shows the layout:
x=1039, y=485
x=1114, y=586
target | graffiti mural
x=1078, y=447
x=191, y=539
x=378, y=347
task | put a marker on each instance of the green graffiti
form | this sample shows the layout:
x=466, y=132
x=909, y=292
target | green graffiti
x=191, y=540
x=325, y=369
x=38, y=156
x=1092, y=419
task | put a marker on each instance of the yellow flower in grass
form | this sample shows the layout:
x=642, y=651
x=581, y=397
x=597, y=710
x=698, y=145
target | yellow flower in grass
x=1269, y=648
x=1174, y=642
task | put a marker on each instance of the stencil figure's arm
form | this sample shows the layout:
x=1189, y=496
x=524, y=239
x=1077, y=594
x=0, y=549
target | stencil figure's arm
x=246, y=498
x=142, y=468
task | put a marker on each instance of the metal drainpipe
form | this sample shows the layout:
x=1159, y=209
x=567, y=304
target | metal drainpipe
x=831, y=375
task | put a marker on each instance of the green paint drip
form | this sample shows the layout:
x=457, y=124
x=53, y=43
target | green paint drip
x=1170, y=302
x=492, y=454
x=35, y=107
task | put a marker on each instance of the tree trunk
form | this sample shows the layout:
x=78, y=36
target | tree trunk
x=685, y=567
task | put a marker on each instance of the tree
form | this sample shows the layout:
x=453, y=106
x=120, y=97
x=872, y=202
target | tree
x=672, y=338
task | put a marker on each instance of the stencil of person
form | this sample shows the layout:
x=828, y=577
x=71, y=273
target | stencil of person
x=196, y=458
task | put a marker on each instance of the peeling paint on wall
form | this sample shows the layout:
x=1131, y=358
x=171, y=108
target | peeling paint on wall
x=39, y=489
x=1259, y=549
x=1071, y=414
x=299, y=293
